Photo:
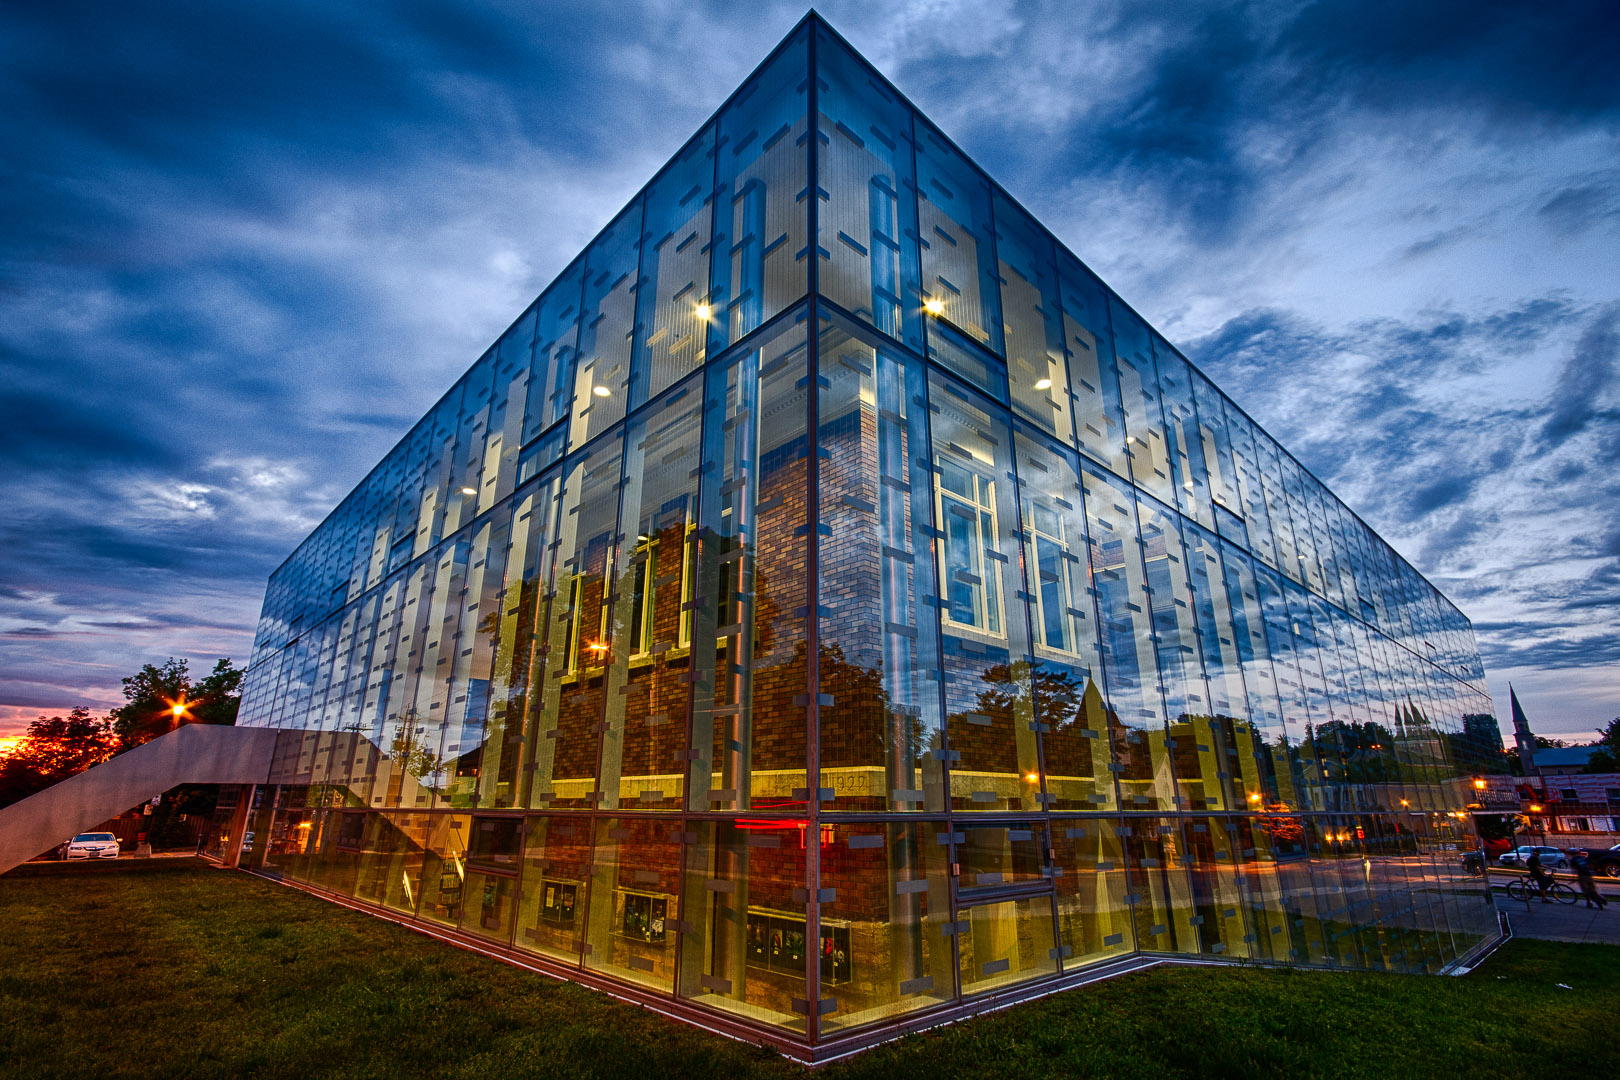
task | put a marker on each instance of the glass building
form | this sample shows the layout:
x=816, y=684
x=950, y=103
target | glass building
x=828, y=609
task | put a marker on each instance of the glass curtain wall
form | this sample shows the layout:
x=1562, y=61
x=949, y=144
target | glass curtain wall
x=829, y=603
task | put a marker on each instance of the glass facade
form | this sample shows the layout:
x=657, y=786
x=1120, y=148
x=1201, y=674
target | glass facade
x=829, y=607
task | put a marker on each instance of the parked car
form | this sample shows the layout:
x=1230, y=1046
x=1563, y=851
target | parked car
x=1551, y=858
x=93, y=845
x=1605, y=862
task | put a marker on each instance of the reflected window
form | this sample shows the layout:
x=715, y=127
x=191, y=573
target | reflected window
x=965, y=502
x=586, y=645
x=1055, y=564
x=651, y=574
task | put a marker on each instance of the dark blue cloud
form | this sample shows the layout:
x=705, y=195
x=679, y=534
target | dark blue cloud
x=1588, y=372
x=1547, y=62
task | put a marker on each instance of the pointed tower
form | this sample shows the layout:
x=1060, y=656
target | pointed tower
x=1522, y=735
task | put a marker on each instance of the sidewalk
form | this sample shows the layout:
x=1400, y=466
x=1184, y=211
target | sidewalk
x=1562, y=922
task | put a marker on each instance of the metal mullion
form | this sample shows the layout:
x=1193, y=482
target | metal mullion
x=812, y=846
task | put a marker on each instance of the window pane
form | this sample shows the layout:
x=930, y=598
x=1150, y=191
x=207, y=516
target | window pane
x=749, y=610
x=881, y=731
x=984, y=634
x=868, y=215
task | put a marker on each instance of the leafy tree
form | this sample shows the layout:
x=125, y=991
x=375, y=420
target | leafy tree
x=152, y=695
x=1606, y=758
x=52, y=749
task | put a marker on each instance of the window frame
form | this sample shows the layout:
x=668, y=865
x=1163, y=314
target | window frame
x=988, y=599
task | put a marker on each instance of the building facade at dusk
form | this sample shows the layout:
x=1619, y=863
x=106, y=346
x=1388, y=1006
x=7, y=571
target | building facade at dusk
x=828, y=609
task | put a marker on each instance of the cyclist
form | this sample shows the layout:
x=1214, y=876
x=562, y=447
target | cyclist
x=1539, y=875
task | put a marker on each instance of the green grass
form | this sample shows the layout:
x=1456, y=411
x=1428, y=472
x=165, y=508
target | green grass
x=196, y=973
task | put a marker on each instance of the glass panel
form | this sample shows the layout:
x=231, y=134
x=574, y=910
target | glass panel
x=984, y=633
x=1099, y=416
x=1174, y=641
x=1130, y=662
x=1005, y=943
x=890, y=904
x=881, y=735
x=549, y=390
x=1037, y=373
x=995, y=856
x=761, y=209
x=1071, y=718
x=745, y=945
x=749, y=610
x=602, y=377
x=675, y=306
x=1139, y=394
x=868, y=215
x=556, y=870
x=567, y=736
x=634, y=901
x=958, y=260
x=1189, y=475
x=444, y=869
x=1089, y=874
x=515, y=620
x=647, y=692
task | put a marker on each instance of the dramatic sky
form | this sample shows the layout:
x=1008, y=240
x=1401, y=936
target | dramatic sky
x=243, y=247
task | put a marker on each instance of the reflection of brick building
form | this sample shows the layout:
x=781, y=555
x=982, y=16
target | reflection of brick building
x=829, y=608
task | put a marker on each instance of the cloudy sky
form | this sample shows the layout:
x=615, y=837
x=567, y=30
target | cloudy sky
x=243, y=247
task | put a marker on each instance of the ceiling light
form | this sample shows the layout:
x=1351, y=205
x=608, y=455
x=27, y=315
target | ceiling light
x=469, y=491
x=1043, y=384
x=601, y=391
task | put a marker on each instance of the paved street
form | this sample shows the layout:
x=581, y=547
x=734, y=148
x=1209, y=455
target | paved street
x=1561, y=922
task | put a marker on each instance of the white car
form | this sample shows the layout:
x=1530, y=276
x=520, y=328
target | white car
x=93, y=845
x=1551, y=857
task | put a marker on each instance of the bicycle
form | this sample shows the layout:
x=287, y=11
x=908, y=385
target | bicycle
x=1524, y=890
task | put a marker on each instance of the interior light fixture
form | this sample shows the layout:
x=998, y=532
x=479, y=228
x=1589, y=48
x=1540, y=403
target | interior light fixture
x=469, y=491
x=601, y=391
x=934, y=306
x=1043, y=384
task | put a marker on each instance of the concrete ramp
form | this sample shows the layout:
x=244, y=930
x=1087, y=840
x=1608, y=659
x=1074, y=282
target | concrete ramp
x=191, y=754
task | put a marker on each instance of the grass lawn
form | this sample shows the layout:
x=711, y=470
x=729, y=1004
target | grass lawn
x=182, y=972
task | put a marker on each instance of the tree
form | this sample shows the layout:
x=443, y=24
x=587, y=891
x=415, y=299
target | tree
x=1606, y=759
x=52, y=749
x=152, y=695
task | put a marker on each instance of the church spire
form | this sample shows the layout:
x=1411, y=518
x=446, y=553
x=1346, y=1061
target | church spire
x=1522, y=735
